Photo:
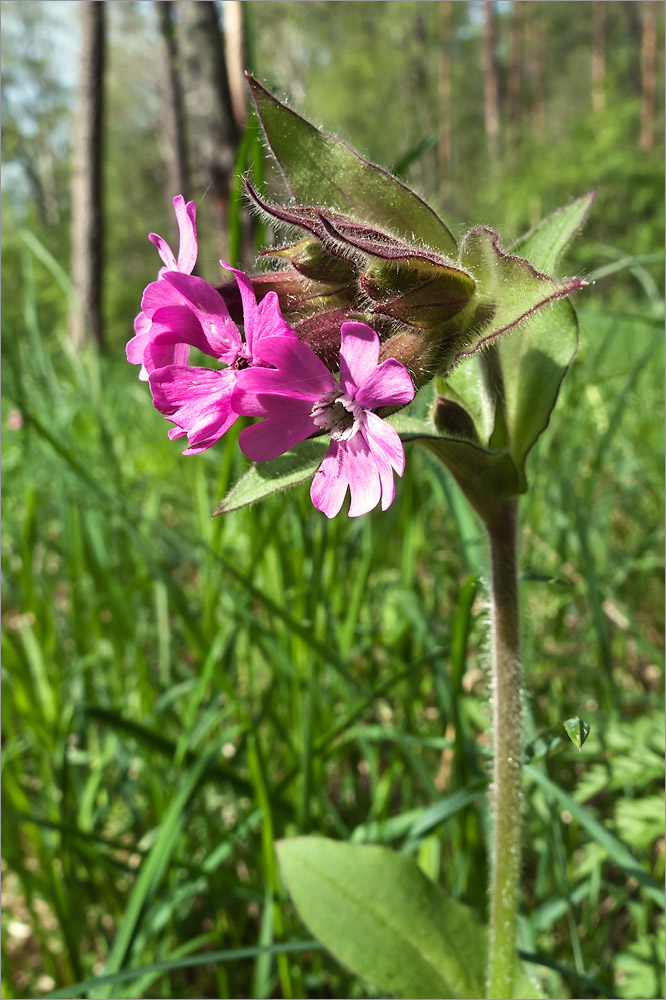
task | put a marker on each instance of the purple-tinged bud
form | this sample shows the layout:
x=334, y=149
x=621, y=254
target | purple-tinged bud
x=321, y=332
x=417, y=352
x=450, y=417
x=297, y=295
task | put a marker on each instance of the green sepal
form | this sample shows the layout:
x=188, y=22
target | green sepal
x=381, y=917
x=322, y=170
x=509, y=289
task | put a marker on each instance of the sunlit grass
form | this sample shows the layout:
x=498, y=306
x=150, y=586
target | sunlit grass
x=181, y=690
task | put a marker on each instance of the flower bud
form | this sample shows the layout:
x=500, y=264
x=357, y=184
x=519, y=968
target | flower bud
x=311, y=259
x=321, y=332
x=296, y=294
x=414, y=350
x=417, y=292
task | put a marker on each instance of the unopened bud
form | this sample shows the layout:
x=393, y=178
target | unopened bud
x=417, y=292
x=296, y=294
x=311, y=259
x=415, y=351
x=321, y=332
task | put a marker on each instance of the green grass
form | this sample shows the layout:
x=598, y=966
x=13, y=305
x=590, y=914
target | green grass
x=181, y=690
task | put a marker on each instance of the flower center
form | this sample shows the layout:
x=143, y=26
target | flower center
x=339, y=414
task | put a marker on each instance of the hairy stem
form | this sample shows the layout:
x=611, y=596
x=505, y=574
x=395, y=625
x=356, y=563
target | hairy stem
x=507, y=726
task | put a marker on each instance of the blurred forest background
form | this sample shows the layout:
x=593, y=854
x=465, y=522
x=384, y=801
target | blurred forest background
x=178, y=691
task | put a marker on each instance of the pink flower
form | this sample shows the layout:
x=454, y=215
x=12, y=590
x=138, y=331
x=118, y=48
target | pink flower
x=299, y=397
x=187, y=258
x=186, y=311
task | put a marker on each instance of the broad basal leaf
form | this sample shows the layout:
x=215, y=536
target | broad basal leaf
x=380, y=916
x=322, y=170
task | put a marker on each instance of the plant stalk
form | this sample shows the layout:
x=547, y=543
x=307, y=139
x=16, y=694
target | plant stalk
x=508, y=749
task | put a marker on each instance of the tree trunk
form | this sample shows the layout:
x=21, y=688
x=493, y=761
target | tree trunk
x=234, y=52
x=515, y=64
x=598, y=56
x=178, y=173
x=648, y=73
x=213, y=131
x=490, y=87
x=86, y=314
x=534, y=37
x=444, y=94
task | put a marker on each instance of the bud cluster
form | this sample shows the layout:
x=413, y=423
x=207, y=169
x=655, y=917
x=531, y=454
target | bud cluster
x=347, y=270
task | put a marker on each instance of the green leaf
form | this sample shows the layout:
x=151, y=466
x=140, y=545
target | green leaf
x=577, y=731
x=534, y=361
x=155, y=864
x=544, y=244
x=322, y=170
x=266, y=478
x=487, y=478
x=508, y=291
x=381, y=917
x=175, y=964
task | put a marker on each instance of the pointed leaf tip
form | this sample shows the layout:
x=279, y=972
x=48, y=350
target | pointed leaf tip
x=577, y=731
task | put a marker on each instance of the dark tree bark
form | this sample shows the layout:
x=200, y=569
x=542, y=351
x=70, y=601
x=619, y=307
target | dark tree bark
x=534, y=40
x=178, y=173
x=648, y=73
x=235, y=55
x=213, y=130
x=598, y=55
x=444, y=94
x=87, y=178
x=490, y=87
x=515, y=63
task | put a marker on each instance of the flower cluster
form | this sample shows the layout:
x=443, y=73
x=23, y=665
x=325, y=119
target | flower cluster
x=269, y=373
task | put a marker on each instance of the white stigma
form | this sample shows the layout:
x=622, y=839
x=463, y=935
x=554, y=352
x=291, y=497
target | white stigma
x=339, y=414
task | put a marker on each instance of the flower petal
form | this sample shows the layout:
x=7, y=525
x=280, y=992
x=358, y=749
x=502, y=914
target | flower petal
x=300, y=373
x=388, y=452
x=186, y=214
x=209, y=308
x=248, y=300
x=361, y=470
x=359, y=353
x=269, y=320
x=384, y=439
x=329, y=485
x=287, y=423
x=197, y=400
x=187, y=250
x=176, y=325
x=388, y=385
x=164, y=250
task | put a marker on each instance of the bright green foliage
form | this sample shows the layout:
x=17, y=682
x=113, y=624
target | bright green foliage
x=380, y=916
x=139, y=634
